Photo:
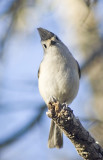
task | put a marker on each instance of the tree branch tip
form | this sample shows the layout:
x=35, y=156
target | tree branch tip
x=84, y=143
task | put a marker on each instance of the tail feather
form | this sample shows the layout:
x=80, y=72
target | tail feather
x=55, y=136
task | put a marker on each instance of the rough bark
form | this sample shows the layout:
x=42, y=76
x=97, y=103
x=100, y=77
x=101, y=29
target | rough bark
x=84, y=143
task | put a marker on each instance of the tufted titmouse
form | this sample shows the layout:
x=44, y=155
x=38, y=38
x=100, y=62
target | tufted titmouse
x=58, y=77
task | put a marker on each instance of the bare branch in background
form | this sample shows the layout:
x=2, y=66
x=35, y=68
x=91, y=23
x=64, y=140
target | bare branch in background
x=93, y=57
x=84, y=143
x=12, y=12
x=23, y=130
x=9, y=7
x=90, y=2
x=87, y=2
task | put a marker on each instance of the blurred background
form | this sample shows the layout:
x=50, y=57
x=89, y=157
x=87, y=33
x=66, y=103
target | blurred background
x=24, y=126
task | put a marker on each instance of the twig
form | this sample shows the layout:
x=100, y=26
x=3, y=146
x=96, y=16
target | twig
x=84, y=143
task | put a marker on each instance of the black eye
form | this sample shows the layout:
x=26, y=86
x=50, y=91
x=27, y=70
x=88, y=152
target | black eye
x=57, y=38
x=44, y=45
x=53, y=42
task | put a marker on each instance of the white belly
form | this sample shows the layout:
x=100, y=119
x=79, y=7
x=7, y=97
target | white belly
x=58, y=79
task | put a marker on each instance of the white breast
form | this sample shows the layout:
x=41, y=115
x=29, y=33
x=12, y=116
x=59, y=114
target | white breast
x=58, y=77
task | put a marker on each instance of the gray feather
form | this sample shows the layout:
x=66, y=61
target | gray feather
x=79, y=70
x=55, y=136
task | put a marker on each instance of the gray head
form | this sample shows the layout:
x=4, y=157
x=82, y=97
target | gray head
x=45, y=34
x=48, y=38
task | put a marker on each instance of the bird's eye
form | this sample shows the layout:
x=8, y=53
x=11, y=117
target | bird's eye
x=53, y=42
x=44, y=45
x=57, y=38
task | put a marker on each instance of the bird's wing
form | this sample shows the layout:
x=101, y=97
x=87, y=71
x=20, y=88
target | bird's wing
x=79, y=70
x=38, y=72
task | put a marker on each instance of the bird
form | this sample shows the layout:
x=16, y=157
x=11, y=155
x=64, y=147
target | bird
x=58, y=76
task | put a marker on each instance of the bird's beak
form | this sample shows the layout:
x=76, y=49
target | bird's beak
x=45, y=34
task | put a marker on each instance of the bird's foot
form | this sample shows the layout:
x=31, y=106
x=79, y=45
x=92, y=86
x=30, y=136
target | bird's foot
x=64, y=105
x=54, y=107
x=52, y=99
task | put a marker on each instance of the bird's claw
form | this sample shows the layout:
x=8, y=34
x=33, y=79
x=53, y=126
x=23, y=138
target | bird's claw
x=53, y=99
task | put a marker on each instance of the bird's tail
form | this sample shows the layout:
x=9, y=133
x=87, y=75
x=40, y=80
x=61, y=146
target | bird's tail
x=55, y=136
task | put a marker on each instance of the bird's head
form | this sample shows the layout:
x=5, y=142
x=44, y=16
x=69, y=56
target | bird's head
x=48, y=39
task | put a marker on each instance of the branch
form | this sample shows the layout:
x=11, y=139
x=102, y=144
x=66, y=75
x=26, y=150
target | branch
x=13, y=13
x=90, y=2
x=95, y=55
x=84, y=143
